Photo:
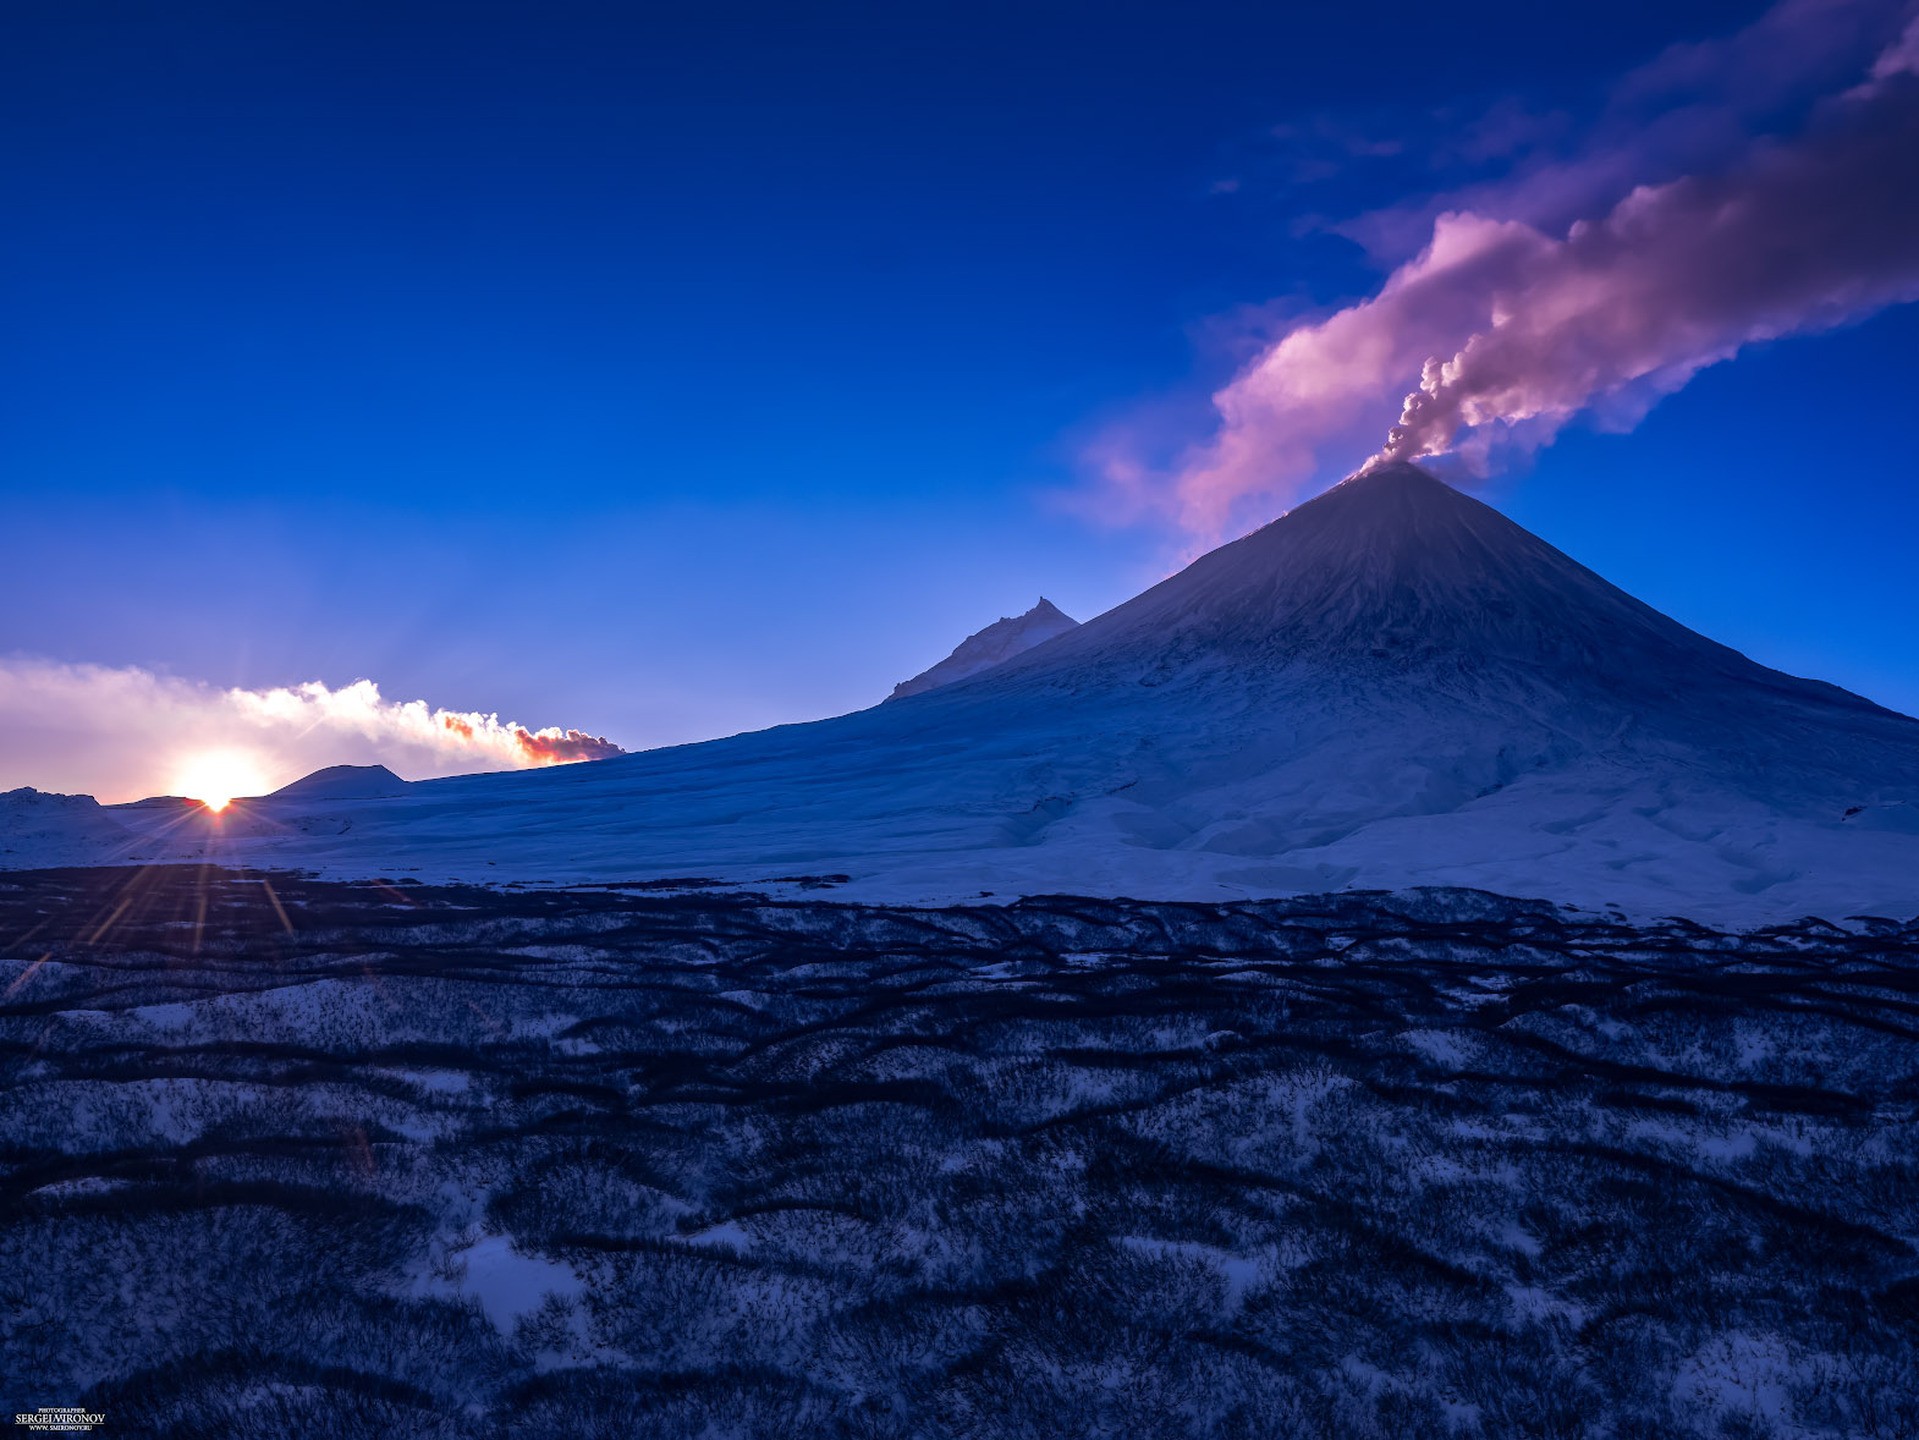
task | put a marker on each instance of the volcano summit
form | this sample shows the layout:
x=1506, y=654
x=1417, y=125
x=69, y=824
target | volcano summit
x=1390, y=686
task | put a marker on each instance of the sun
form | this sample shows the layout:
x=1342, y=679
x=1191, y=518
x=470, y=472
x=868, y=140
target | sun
x=215, y=778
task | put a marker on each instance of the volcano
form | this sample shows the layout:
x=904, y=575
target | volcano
x=1392, y=685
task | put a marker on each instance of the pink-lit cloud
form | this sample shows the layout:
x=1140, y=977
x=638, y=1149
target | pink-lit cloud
x=551, y=746
x=121, y=733
x=1511, y=319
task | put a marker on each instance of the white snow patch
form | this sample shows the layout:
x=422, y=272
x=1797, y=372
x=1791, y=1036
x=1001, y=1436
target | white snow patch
x=82, y=1185
x=1239, y=1272
x=506, y=1282
x=175, y=1016
x=727, y=1235
x=1737, y=1374
x=1442, y=1047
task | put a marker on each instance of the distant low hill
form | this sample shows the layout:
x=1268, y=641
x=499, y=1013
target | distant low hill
x=343, y=782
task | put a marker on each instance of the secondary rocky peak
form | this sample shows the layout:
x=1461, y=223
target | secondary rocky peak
x=997, y=643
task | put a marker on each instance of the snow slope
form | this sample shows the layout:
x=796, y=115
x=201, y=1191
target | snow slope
x=1392, y=685
x=41, y=829
x=997, y=643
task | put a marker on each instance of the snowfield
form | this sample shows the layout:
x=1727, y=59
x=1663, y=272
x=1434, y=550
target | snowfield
x=1391, y=686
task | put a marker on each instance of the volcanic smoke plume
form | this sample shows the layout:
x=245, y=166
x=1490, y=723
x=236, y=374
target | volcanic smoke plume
x=1679, y=276
x=551, y=746
x=1509, y=321
x=121, y=733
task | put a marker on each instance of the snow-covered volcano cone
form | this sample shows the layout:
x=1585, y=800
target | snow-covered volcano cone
x=1397, y=567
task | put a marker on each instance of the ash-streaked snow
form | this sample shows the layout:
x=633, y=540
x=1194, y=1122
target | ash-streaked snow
x=1391, y=686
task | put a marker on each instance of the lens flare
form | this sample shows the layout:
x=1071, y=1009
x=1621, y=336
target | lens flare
x=216, y=779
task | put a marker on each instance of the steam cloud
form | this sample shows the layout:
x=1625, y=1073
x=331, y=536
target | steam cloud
x=485, y=734
x=125, y=733
x=1510, y=329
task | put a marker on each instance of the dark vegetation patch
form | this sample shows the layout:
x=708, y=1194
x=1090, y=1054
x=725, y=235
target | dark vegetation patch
x=286, y=1157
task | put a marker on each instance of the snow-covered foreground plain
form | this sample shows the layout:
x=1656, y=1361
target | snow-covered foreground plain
x=1391, y=686
x=283, y=1157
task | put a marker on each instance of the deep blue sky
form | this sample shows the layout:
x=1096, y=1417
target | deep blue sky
x=667, y=372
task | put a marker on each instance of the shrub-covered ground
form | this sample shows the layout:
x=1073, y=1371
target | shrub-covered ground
x=292, y=1158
